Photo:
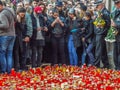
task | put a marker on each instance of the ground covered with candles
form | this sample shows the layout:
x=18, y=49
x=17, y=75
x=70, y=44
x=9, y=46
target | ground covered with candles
x=61, y=78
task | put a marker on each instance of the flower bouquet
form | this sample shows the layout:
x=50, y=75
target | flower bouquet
x=99, y=22
x=111, y=33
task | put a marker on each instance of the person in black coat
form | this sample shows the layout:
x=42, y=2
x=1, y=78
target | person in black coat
x=57, y=24
x=18, y=46
x=101, y=32
x=38, y=36
x=72, y=30
x=88, y=39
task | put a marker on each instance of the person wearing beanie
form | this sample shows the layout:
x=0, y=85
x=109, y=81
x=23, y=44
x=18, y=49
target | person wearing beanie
x=116, y=23
x=57, y=27
x=83, y=7
x=71, y=11
x=59, y=4
x=38, y=36
x=59, y=7
x=37, y=10
x=7, y=38
x=73, y=37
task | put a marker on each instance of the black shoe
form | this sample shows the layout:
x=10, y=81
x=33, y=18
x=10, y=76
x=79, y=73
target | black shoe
x=107, y=67
x=24, y=68
x=28, y=62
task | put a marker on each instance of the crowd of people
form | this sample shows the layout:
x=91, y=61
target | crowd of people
x=60, y=33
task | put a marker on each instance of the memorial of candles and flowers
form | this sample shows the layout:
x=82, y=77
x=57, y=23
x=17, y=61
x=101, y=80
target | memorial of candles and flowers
x=61, y=77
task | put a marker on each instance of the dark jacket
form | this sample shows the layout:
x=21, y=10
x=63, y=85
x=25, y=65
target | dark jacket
x=19, y=28
x=70, y=25
x=116, y=19
x=57, y=29
x=34, y=24
x=24, y=27
x=89, y=31
x=106, y=17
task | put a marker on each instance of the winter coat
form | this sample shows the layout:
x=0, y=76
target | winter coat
x=89, y=31
x=57, y=30
x=7, y=21
x=70, y=25
x=34, y=24
x=106, y=16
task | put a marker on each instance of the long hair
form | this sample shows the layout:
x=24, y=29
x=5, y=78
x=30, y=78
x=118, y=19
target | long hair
x=19, y=10
x=44, y=10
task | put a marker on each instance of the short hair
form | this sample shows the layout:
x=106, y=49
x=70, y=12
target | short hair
x=1, y=3
x=83, y=7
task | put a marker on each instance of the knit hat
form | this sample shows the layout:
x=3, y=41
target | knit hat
x=37, y=9
x=71, y=11
x=83, y=7
x=59, y=3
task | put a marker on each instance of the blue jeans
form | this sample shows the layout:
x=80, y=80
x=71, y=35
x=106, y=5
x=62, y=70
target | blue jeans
x=72, y=52
x=6, y=50
x=90, y=54
x=88, y=51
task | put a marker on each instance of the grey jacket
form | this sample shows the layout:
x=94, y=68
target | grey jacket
x=7, y=22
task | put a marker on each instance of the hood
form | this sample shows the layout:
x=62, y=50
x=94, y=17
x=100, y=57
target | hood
x=11, y=11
